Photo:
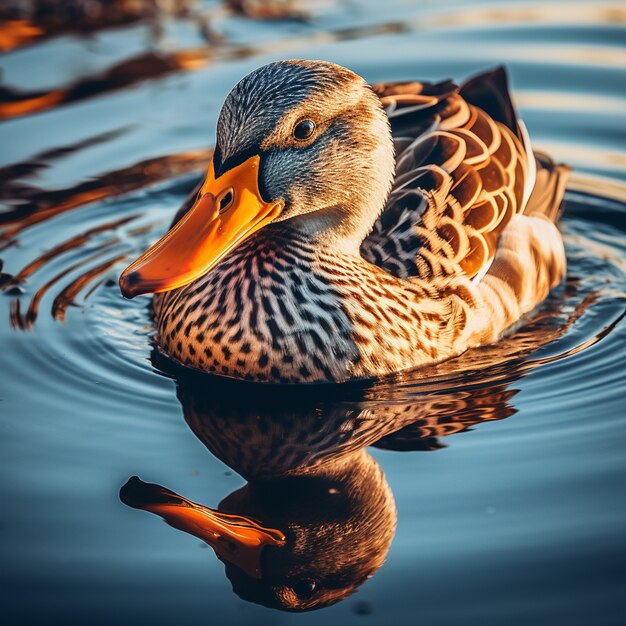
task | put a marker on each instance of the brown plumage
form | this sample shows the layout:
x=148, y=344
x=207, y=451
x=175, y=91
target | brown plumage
x=367, y=272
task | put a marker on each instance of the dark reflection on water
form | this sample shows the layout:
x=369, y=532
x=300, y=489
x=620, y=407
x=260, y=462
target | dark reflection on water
x=303, y=453
x=103, y=133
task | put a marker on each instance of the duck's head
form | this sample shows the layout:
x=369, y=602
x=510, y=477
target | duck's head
x=301, y=141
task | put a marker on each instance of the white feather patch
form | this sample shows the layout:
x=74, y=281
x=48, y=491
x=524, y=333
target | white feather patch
x=532, y=165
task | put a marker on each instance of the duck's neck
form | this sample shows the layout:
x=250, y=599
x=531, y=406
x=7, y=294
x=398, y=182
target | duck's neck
x=338, y=228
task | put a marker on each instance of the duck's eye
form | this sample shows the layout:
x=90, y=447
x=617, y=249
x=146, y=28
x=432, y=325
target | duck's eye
x=304, y=129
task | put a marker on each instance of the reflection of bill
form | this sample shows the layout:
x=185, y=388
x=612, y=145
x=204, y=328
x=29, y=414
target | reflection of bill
x=237, y=540
x=310, y=479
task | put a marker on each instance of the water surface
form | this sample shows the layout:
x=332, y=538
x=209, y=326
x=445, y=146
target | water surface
x=506, y=465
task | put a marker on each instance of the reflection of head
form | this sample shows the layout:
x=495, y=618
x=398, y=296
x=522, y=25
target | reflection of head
x=339, y=525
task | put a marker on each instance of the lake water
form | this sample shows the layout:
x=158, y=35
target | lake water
x=506, y=466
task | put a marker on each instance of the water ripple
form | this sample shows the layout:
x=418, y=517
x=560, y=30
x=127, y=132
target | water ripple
x=103, y=139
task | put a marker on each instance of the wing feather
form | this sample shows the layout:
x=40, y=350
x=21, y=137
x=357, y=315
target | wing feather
x=464, y=168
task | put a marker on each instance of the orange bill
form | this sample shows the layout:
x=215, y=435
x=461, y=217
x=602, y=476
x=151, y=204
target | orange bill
x=236, y=539
x=228, y=210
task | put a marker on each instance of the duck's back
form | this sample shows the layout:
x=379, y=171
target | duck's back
x=464, y=168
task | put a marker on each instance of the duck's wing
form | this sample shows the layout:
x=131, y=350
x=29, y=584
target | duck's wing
x=464, y=167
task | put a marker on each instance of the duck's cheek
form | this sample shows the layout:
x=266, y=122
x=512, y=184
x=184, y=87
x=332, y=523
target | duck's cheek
x=296, y=175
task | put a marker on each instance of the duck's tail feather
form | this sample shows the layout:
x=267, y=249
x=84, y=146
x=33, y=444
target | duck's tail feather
x=490, y=92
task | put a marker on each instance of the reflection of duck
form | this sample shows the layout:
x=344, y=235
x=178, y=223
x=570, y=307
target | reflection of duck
x=310, y=480
x=344, y=279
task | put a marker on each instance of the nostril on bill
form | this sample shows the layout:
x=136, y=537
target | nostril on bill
x=225, y=201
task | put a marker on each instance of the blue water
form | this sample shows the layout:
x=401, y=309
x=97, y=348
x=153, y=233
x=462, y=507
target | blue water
x=510, y=501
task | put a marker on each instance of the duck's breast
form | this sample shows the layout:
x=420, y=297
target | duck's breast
x=262, y=314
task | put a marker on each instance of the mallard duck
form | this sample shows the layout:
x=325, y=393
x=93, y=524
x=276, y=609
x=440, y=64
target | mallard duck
x=345, y=231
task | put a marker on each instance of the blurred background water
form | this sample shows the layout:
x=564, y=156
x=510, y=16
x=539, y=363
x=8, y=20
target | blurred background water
x=107, y=116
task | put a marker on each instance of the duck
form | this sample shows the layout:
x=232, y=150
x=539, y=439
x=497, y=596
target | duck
x=347, y=231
